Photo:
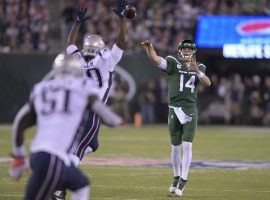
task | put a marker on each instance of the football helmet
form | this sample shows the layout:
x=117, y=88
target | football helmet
x=92, y=45
x=66, y=65
x=189, y=49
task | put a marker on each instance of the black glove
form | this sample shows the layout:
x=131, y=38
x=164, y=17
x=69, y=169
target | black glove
x=120, y=6
x=80, y=14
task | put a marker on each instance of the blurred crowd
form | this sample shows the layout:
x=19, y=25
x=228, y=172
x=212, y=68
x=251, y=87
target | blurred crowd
x=164, y=22
x=238, y=100
x=230, y=100
x=23, y=26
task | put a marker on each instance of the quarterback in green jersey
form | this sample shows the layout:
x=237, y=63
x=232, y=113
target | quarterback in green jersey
x=183, y=74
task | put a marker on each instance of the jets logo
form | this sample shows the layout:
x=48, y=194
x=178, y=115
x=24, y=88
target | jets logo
x=178, y=66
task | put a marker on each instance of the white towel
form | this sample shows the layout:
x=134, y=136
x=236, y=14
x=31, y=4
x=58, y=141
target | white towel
x=183, y=118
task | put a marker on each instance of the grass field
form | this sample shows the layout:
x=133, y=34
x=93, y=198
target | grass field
x=140, y=182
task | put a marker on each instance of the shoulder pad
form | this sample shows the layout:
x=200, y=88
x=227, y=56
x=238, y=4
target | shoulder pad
x=105, y=53
x=201, y=65
x=172, y=59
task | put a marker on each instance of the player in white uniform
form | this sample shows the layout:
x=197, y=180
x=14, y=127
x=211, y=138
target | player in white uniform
x=98, y=63
x=58, y=106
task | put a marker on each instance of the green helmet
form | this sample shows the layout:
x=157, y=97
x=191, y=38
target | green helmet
x=186, y=44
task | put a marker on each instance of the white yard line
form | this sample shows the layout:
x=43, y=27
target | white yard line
x=191, y=189
x=163, y=188
x=14, y=195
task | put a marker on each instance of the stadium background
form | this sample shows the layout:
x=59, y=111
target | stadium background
x=32, y=32
x=229, y=162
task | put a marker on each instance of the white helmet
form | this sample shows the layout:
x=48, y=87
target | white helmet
x=66, y=65
x=92, y=45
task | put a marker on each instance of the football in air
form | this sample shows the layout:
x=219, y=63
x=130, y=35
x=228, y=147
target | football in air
x=130, y=12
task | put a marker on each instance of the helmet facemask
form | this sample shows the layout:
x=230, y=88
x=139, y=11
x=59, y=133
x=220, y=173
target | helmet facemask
x=186, y=50
x=92, y=46
x=186, y=55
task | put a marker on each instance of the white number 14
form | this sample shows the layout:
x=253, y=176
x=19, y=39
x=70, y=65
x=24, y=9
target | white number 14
x=189, y=84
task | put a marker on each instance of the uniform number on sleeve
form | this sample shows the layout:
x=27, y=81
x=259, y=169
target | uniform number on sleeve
x=189, y=84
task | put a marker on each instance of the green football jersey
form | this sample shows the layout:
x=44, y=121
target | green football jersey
x=182, y=83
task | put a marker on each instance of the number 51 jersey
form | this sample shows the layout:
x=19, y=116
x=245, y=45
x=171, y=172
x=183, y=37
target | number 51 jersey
x=61, y=106
x=182, y=83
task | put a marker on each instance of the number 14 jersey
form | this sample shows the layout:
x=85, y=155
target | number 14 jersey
x=182, y=83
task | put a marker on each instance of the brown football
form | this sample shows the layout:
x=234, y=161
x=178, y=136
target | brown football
x=130, y=12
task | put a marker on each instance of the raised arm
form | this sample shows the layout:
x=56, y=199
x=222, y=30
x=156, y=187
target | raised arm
x=202, y=76
x=152, y=55
x=204, y=79
x=121, y=39
x=80, y=18
x=119, y=11
x=107, y=116
x=72, y=36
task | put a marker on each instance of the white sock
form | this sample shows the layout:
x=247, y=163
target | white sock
x=176, y=159
x=88, y=150
x=186, y=160
x=75, y=160
x=81, y=194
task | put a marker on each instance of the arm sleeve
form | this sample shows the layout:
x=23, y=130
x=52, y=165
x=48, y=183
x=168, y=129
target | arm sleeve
x=73, y=50
x=107, y=116
x=163, y=65
x=25, y=118
x=116, y=55
x=169, y=61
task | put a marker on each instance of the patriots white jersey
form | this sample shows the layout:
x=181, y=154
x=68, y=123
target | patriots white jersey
x=60, y=106
x=100, y=68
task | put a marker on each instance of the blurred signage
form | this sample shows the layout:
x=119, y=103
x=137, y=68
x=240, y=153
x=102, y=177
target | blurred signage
x=238, y=36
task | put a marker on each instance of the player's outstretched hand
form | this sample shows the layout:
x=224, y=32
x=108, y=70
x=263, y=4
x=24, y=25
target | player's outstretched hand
x=18, y=166
x=80, y=14
x=120, y=7
x=147, y=43
x=193, y=65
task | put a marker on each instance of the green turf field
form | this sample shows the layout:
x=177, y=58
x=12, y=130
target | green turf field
x=121, y=182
